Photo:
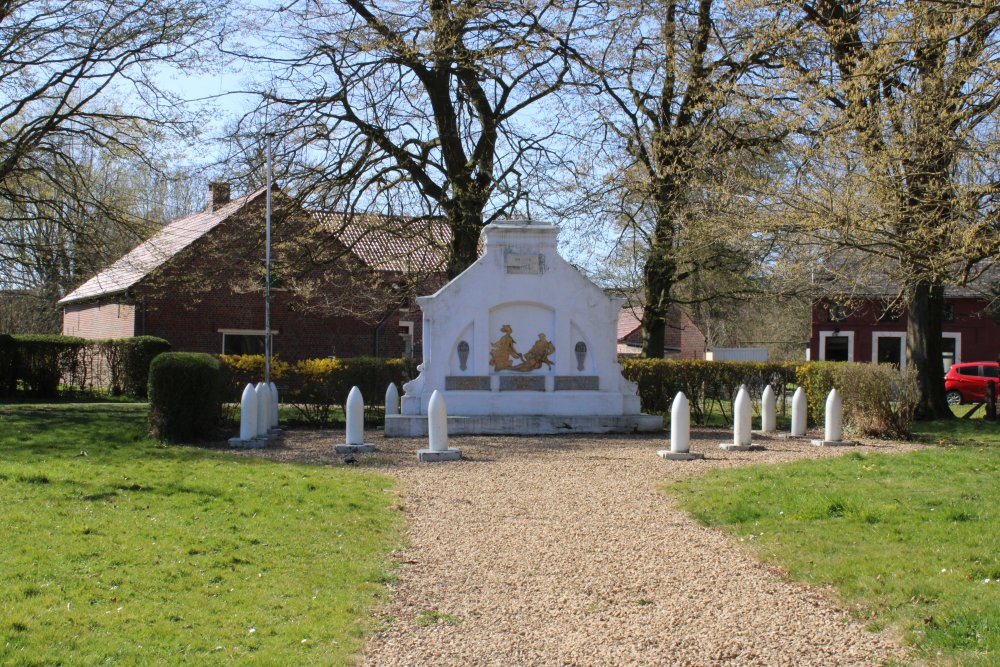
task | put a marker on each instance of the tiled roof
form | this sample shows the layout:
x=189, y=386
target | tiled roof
x=629, y=319
x=384, y=243
x=156, y=250
x=850, y=276
x=392, y=243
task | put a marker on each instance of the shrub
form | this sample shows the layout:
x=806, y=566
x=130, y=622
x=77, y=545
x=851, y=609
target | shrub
x=248, y=368
x=43, y=360
x=878, y=400
x=127, y=361
x=186, y=391
x=705, y=383
x=8, y=365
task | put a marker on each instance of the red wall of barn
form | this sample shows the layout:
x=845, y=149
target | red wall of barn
x=980, y=335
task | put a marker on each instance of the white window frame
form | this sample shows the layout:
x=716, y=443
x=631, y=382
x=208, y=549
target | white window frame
x=242, y=332
x=901, y=335
x=823, y=335
x=957, y=335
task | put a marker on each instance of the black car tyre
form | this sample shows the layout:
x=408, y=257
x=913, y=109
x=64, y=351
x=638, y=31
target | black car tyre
x=954, y=397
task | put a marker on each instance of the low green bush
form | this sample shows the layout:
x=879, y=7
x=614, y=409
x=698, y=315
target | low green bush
x=8, y=365
x=878, y=400
x=42, y=361
x=316, y=388
x=127, y=361
x=707, y=384
x=186, y=390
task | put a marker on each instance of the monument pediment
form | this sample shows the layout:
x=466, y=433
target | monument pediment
x=521, y=332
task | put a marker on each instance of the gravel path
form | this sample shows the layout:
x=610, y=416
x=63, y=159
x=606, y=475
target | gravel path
x=559, y=550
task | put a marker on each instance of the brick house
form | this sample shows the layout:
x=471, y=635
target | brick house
x=870, y=327
x=341, y=286
x=682, y=338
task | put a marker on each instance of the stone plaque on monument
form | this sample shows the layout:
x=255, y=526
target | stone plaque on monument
x=522, y=383
x=524, y=263
x=467, y=383
x=577, y=383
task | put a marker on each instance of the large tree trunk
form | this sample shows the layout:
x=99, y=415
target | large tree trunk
x=466, y=222
x=925, y=304
x=659, y=279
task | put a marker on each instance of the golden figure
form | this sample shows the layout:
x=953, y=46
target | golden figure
x=503, y=350
x=537, y=355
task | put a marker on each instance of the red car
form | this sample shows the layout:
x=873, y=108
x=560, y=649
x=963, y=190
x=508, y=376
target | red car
x=966, y=383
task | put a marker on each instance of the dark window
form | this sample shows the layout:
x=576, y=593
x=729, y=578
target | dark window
x=991, y=371
x=969, y=370
x=948, y=312
x=890, y=349
x=948, y=352
x=836, y=348
x=242, y=343
x=837, y=313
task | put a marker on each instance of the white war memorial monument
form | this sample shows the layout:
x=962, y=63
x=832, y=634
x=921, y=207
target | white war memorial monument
x=521, y=343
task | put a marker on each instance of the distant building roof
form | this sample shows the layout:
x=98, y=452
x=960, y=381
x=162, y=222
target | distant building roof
x=392, y=243
x=384, y=243
x=853, y=276
x=156, y=250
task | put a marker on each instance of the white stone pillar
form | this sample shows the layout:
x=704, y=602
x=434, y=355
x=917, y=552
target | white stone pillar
x=680, y=424
x=767, y=411
x=799, y=412
x=680, y=432
x=437, y=423
x=391, y=400
x=263, y=408
x=437, y=432
x=248, y=414
x=742, y=422
x=274, y=405
x=833, y=422
x=354, y=411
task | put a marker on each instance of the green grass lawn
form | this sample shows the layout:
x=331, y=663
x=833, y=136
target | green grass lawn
x=143, y=554
x=910, y=541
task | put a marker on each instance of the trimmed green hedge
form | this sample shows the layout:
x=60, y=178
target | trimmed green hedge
x=706, y=384
x=186, y=390
x=48, y=366
x=317, y=387
x=41, y=361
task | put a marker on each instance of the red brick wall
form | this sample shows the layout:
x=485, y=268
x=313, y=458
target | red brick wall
x=681, y=333
x=107, y=318
x=979, y=334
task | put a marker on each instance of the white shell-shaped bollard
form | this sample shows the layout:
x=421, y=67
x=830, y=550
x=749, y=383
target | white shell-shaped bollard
x=680, y=424
x=355, y=413
x=274, y=403
x=767, y=411
x=248, y=414
x=391, y=400
x=833, y=430
x=799, y=412
x=263, y=408
x=437, y=422
x=742, y=418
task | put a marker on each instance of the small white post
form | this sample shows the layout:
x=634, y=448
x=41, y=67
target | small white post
x=767, y=411
x=437, y=423
x=437, y=432
x=248, y=414
x=742, y=422
x=354, y=411
x=833, y=422
x=680, y=431
x=263, y=408
x=274, y=405
x=391, y=400
x=799, y=413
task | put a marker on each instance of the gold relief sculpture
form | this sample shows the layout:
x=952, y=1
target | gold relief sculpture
x=503, y=353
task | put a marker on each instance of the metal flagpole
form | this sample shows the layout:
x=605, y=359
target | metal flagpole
x=267, y=274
